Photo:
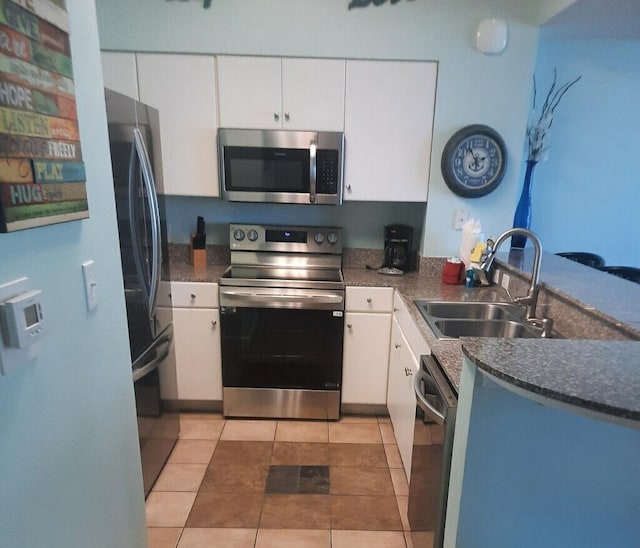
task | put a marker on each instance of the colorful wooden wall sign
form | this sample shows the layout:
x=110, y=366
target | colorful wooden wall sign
x=42, y=176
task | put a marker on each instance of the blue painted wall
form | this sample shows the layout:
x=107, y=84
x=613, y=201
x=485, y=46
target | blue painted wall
x=362, y=223
x=69, y=448
x=586, y=196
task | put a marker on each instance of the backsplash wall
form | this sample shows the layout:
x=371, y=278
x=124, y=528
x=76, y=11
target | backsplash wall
x=362, y=222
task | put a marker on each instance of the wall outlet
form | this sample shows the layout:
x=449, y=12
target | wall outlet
x=460, y=216
x=505, y=280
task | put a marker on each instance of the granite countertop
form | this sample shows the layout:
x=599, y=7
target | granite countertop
x=427, y=284
x=601, y=376
x=578, y=373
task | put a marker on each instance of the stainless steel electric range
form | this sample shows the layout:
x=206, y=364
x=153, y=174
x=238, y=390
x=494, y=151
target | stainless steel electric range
x=282, y=322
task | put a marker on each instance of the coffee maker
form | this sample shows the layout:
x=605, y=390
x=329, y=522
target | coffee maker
x=398, y=248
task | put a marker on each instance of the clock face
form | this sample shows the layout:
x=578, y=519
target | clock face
x=474, y=161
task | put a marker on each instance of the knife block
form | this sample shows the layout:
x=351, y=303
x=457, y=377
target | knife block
x=198, y=257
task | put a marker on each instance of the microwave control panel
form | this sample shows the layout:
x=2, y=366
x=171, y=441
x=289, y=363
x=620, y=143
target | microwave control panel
x=327, y=171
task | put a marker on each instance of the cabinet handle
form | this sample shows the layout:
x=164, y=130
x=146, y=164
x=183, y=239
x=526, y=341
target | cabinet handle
x=214, y=323
x=276, y=116
x=396, y=309
x=193, y=296
x=369, y=300
x=349, y=326
x=397, y=345
x=408, y=371
x=286, y=116
x=348, y=188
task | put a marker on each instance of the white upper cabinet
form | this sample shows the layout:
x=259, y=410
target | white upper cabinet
x=183, y=89
x=313, y=94
x=389, y=109
x=275, y=93
x=249, y=89
x=120, y=73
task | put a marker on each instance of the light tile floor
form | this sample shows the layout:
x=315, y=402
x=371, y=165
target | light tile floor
x=206, y=498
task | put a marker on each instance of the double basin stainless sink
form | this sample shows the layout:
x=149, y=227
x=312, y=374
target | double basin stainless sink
x=452, y=320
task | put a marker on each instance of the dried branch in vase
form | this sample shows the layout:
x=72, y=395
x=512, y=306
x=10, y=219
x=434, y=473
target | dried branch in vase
x=540, y=123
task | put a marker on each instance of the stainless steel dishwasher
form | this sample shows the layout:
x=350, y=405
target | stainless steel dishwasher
x=431, y=458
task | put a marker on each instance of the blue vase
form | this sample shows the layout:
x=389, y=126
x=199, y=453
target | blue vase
x=522, y=217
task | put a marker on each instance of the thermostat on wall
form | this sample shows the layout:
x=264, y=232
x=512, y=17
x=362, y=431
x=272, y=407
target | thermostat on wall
x=22, y=324
x=22, y=319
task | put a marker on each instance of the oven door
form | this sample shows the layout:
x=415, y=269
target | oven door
x=280, y=351
x=271, y=172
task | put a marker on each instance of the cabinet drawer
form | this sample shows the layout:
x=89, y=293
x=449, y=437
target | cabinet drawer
x=416, y=340
x=193, y=295
x=369, y=299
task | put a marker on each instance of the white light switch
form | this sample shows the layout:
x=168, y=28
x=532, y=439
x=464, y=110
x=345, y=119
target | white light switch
x=90, y=285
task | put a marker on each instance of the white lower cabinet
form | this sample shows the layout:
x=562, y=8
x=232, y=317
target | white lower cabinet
x=196, y=328
x=407, y=345
x=365, y=360
x=401, y=400
x=197, y=336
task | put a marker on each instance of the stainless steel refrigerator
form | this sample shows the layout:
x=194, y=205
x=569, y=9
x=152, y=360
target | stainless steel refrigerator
x=137, y=170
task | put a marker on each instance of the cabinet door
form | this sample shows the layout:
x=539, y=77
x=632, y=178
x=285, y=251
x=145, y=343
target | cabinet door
x=198, y=358
x=388, y=128
x=401, y=400
x=313, y=94
x=183, y=89
x=365, y=358
x=250, y=92
x=119, y=72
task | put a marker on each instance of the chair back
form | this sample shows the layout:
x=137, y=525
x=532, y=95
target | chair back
x=630, y=273
x=590, y=259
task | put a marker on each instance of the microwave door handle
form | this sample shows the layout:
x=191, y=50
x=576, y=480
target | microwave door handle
x=313, y=148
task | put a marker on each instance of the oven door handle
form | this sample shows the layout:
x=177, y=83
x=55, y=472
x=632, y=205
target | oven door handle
x=431, y=411
x=254, y=297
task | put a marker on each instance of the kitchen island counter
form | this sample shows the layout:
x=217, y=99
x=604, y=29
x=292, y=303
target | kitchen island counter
x=593, y=377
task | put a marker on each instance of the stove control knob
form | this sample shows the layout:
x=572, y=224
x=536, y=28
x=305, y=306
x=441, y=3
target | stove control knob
x=238, y=234
x=332, y=238
x=319, y=237
x=252, y=235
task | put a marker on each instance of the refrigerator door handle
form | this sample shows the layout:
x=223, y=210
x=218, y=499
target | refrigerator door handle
x=150, y=359
x=134, y=221
x=149, y=182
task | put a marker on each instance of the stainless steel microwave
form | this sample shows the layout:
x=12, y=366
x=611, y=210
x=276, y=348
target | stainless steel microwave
x=287, y=167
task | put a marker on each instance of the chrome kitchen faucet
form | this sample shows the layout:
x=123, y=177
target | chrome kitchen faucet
x=531, y=299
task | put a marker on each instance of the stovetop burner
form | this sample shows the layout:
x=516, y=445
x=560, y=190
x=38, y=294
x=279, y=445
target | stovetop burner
x=249, y=276
x=277, y=256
